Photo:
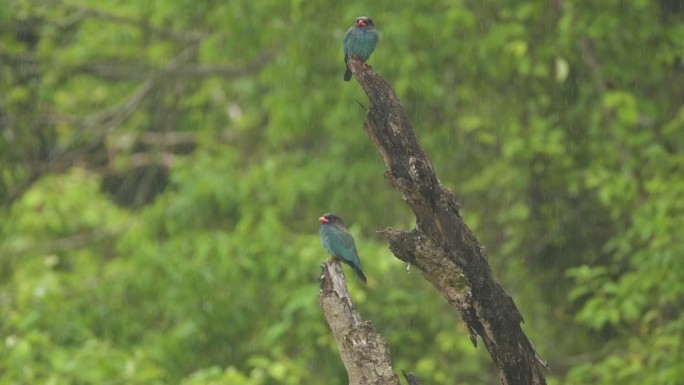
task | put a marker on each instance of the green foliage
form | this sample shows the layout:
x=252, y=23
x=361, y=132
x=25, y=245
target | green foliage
x=222, y=130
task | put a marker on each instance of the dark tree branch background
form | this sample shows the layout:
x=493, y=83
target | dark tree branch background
x=163, y=163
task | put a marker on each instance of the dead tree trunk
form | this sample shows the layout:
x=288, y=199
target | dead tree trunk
x=441, y=245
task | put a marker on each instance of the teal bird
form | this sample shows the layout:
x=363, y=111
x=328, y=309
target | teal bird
x=337, y=241
x=359, y=42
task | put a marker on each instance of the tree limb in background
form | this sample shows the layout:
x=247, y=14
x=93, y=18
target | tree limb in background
x=364, y=353
x=87, y=135
x=441, y=245
x=80, y=13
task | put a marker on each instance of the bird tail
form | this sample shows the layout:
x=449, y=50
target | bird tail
x=347, y=75
x=358, y=271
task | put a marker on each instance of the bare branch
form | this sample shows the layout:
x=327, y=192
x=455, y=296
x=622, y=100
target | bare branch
x=133, y=71
x=88, y=12
x=442, y=246
x=72, y=242
x=364, y=353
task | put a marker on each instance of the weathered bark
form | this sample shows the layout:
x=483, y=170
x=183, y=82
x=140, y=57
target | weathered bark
x=441, y=245
x=364, y=353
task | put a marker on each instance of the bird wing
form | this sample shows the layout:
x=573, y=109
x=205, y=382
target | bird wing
x=347, y=241
x=341, y=244
x=344, y=247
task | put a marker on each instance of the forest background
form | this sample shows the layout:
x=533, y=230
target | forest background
x=164, y=164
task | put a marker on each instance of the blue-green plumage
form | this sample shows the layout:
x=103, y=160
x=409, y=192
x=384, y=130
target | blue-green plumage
x=337, y=241
x=359, y=41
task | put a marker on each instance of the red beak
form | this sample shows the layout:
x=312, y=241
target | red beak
x=361, y=23
x=323, y=220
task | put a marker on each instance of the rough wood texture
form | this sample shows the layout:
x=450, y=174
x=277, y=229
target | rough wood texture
x=364, y=353
x=441, y=245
